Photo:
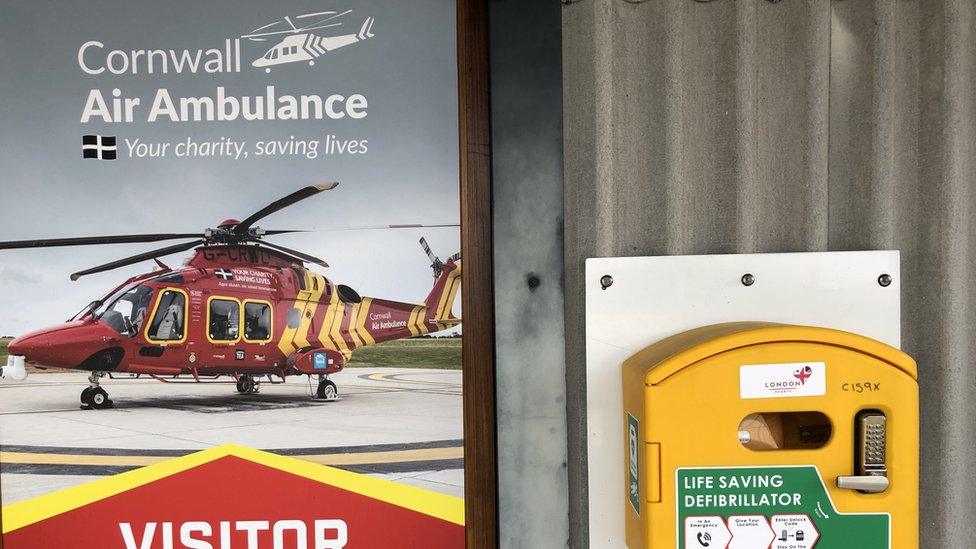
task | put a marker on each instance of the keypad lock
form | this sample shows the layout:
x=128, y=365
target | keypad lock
x=870, y=465
x=871, y=428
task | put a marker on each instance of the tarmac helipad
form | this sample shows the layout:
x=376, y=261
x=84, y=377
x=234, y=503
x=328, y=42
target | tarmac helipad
x=396, y=423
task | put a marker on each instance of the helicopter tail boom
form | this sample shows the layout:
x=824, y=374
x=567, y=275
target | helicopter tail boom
x=329, y=43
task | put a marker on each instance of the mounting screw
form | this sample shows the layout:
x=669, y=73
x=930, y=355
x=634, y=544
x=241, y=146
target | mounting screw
x=884, y=280
x=748, y=279
x=606, y=281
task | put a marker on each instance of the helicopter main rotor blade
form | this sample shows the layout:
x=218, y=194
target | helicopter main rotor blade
x=301, y=255
x=385, y=227
x=92, y=240
x=282, y=203
x=138, y=258
x=331, y=15
x=261, y=36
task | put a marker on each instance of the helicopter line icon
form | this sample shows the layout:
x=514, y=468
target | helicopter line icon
x=299, y=42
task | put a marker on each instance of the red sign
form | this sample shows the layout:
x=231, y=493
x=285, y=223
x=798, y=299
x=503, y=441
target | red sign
x=236, y=498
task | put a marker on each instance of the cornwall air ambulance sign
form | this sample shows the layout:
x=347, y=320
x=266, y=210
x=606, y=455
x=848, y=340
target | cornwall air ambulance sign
x=253, y=499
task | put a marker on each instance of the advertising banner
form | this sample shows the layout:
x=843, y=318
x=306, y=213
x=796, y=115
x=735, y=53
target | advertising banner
x=230, y=275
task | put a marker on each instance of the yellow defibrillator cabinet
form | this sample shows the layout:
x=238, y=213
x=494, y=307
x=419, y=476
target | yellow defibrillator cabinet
x=763, y=436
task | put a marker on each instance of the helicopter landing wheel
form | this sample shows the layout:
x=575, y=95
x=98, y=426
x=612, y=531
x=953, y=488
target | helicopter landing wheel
x=246, y=385
x=327, y=390
x=96, y=397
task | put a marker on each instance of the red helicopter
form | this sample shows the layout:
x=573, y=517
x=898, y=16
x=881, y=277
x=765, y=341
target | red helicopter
x=239, y=307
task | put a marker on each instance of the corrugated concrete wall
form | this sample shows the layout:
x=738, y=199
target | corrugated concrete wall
x=750, y=126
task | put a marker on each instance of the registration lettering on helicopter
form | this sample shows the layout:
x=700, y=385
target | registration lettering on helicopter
x=248, y=254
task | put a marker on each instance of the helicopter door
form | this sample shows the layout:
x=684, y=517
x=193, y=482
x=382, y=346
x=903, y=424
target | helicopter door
x=224, y=332
x=166, y=331
x=168, y=324
x=257, y=330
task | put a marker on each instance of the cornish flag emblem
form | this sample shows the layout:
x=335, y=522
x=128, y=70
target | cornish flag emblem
x=100, y=147
x=224, y=274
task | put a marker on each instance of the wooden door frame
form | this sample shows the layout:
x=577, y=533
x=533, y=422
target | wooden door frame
x=477, y=297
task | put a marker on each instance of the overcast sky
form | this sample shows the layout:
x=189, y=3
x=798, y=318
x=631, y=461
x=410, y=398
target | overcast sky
x=407, y=71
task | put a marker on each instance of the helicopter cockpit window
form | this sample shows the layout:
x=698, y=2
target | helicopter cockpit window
x=257, y=321
x=168, y=321
x=126, y=311
x=225, y=320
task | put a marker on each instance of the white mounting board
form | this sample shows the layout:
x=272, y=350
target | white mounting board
x=655, y=297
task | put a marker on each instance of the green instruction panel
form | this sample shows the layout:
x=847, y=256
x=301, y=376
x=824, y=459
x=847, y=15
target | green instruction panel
x=768, y=508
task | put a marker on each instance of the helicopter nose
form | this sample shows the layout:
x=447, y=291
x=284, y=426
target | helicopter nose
x=24, y=345
x=69, y=346
x=35, y=349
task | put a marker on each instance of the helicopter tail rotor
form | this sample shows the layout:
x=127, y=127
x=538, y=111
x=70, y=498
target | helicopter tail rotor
x=435, y=262
x=447, y=282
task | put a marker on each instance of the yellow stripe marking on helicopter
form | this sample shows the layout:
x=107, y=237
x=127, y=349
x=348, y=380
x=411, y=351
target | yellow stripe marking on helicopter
x=327, y=321
x=357, y=341
x=350, y=314
x=287, y=336
x=337, y=330
x=412, y=321
x=287, y=343
x=330, y=334
x=24, y=513
x=446, y=302
x=314, y=294
x=421, y=320
x=363, y=315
